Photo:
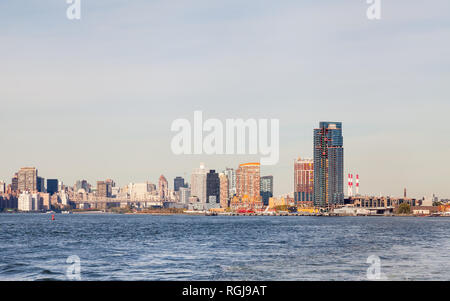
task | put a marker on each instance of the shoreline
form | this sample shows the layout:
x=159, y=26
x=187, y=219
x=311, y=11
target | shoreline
x=226, y=214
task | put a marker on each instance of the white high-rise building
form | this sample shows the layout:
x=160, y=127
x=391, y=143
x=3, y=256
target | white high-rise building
x=36, y=201
x=140, y=190
x=25, y=202
x=185, y=194
x=64, y=198
x=198, y=183
x=231, y=175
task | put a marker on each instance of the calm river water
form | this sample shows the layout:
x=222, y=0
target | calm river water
x=179, y=247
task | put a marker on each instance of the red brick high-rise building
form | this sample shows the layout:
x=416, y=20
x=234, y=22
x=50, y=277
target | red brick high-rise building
x=248, y=180
x=304, y=180
x=224, y=190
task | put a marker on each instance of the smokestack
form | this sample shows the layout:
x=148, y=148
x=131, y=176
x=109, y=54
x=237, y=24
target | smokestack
x=357, y=184
x=350, y=185
x=404, y=193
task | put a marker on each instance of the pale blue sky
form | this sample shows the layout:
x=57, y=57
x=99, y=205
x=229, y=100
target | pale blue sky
x=95, y=98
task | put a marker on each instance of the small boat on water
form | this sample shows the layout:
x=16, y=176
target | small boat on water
x=66, y=212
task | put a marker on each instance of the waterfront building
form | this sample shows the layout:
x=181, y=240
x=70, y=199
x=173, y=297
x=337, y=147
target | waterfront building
x=198, y=183
x=80, y=184
x=104, y=189
x=304, y=180
x=29, y=201
x=52, y=186
x=231, y=175
x=25, y=202
x=2, y=187
x=328, y=164
x=177, y=183
x=163, y=188
x=212, y=187
x=140, y=191
x=282, y=201
x=266, y=189
x=27, y=179
x=185, y=194
x=15, y=183
x=248, y=180
x=37, y=201
x=60, y=186
x=246, y=203
x=44, y=200
x=115, y=191
x=54, y=199
x=8, y=201
x=224, y=190
x=64, y=197
x=40, y=184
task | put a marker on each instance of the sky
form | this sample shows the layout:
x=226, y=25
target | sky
x=95, y=98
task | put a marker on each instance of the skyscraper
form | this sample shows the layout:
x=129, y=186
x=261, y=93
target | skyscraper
x=266, y=189
x=185, y=194
x=15, y=182
x=304, y=180
x=52, y=186
x=198, y=183
x=40, y=184
x=224, y=190
x=248, y=180
x=104, y=189
x=163, y=188
x=212, y=187
x=177, y=183
x=231, y=175
x=27, y=179
x=328, y=164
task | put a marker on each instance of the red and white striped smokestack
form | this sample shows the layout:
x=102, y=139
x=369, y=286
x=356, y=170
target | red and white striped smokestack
x=357, y=184
x=350, y=185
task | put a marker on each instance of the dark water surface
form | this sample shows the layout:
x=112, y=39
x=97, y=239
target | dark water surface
x=145, y=247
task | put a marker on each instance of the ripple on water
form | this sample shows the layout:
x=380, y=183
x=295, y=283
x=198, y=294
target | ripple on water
x=130, y=247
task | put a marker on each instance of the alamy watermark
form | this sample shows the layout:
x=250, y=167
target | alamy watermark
x=73, y=271
x=374, y=270
x=235, y=137
x=374, y=10
x=73, y=12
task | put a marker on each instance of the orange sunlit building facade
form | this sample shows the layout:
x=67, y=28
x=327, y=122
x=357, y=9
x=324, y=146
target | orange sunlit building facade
x=247, y=188
x=304, y=180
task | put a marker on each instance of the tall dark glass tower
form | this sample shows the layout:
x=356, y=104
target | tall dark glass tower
x=52, y=186
x=328, y=164
x=177, y=183
x=40, y=184
x=266, y=189
x=212, y=187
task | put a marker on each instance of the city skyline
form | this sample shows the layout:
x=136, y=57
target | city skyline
x=95, y=98
x=331, y=133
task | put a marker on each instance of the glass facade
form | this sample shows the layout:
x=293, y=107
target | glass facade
x=212, y=187
x=266, y=189
x=328, y=164
x=52, y=186
x=178, y=182
x=304, y=180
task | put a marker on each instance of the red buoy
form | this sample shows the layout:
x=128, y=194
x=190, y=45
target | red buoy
x=53, y=217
